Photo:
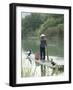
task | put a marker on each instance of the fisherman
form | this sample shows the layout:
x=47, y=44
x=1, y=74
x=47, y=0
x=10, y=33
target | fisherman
x=43, y=45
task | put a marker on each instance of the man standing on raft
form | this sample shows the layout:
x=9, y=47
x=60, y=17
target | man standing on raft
x=43, y=45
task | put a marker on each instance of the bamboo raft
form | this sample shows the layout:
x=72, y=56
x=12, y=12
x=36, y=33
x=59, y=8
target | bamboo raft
x=45, y=66
x=48, y=64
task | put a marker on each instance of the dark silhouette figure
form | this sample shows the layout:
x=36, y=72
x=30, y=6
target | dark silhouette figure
x=43, y=45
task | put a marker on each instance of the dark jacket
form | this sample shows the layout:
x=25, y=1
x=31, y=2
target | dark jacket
x=43, y=43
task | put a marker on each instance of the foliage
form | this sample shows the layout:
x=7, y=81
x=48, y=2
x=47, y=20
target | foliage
x=36, y=23
x=52, y=25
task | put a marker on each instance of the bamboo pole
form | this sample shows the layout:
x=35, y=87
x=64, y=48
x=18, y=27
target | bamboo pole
x=47, y=52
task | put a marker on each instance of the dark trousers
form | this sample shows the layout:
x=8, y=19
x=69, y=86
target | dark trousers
x=42, y=53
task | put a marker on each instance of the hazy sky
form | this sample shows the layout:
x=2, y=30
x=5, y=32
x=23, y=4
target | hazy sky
x=25, y=14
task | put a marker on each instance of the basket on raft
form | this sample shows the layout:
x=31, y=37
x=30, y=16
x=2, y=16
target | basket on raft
x=37, y=58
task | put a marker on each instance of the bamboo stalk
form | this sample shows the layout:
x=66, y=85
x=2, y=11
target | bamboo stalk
x=47, y=53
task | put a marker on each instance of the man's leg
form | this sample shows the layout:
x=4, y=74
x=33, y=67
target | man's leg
x=44, y=67
x=43, y=53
